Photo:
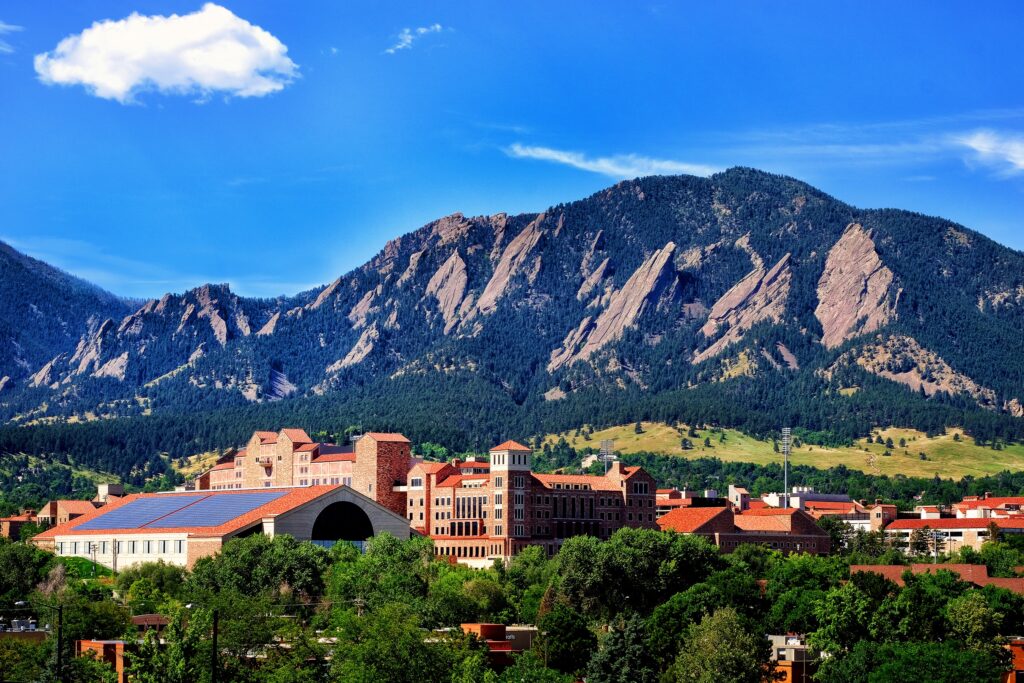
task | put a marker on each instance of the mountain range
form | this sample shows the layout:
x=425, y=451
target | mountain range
x=745, y=299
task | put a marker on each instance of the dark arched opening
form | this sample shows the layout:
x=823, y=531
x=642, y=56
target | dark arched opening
x=342, y=521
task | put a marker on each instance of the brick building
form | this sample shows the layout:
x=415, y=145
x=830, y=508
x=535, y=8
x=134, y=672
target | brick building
x=10, y=527
x=373, y=465
x=785, y=529
x=477, y=512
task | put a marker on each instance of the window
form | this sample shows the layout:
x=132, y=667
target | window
x=498, y=481
x=163, y=547
x=416, y=482
x=147, y=547
x=179, y=546
x=131, y=546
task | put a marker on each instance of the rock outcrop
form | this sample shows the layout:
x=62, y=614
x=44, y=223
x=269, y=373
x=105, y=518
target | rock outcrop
x=362, y=348
x=448, y=287
x=758, y=297
x=856, y=292
x=902, y=359
x=642, y=290
x=512, y=259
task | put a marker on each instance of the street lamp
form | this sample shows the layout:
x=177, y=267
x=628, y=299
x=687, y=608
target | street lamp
x=59, y=609
x=213, y=649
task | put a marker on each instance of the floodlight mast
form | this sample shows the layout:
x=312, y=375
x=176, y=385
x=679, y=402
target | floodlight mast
x=787, y=435
x=607, y=453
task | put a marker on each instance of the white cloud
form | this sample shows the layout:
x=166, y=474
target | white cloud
x=618, y=166
x=202, y=53
x=1003, y=151
x=5, y=28
x=409, y=35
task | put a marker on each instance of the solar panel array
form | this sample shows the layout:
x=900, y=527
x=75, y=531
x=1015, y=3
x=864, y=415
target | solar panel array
x=216, y=510
x=139, y=512
x=174, y=511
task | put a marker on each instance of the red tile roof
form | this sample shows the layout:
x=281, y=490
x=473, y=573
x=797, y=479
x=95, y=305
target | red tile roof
x=387, y=436
x=771, y=512
x=458, y=479
x=293, y=498
x=990, y=502
x=342, y=456
x=306, y=447
x=75, y=507
x=510, y=446
x=223, y=466
x=267, y=437
x=297, y=435
x=18, y=518
x=690, y=519
x=474, y=464
x=757, y=505
x=596, y=483
x=972, y=573
x=431, y=467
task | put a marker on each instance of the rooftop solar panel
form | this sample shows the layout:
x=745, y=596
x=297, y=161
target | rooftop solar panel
x=216, y=510
x=138, y=512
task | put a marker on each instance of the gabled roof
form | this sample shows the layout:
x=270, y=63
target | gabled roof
x=510, y=446
x=76, y=507
x=392, y=437
x=689, y=520
x=306, y=447
x=267, y=437
x=297, y=435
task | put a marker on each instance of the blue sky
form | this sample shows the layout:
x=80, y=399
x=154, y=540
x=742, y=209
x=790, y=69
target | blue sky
x=276, y=145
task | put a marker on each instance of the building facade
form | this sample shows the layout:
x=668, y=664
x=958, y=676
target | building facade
x=373, y=465
x=477, y=512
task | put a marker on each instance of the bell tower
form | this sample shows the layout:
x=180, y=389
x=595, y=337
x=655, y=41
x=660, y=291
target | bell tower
x=510, y=481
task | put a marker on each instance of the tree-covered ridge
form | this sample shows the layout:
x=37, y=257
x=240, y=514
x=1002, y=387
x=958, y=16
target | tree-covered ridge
x=462, y=318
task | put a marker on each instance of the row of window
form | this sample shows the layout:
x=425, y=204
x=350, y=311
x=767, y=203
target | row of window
x=122, y=547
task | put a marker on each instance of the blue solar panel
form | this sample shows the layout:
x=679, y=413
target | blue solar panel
x=216, y=510
x=138, y=512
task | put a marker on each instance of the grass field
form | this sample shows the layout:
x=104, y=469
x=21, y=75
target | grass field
x=947, y=457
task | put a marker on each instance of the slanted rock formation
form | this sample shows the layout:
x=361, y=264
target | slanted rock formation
x=642, y=290
x=759, y=296
x=856, y=292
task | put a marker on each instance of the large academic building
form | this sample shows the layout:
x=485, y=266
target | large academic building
x=284, y=482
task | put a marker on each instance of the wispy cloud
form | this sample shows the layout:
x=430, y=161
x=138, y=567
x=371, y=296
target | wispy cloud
x=202, y=53
x=5, y=28
x=407, y=36
x=1002, y=151
x=618, y=166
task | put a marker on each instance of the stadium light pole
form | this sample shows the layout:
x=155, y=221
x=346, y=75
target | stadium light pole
x=59, y=609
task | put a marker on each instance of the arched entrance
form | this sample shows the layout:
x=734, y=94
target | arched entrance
x=341, y=521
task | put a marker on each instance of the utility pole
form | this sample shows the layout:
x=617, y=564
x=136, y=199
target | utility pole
x=787, y=435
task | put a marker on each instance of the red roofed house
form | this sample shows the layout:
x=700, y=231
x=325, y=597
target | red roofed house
x=785, y=529
x=477, y=514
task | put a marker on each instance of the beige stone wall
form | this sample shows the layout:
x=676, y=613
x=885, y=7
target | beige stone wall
x=79, y=546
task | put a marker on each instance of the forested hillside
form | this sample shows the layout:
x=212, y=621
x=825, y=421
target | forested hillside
x=745, y=299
